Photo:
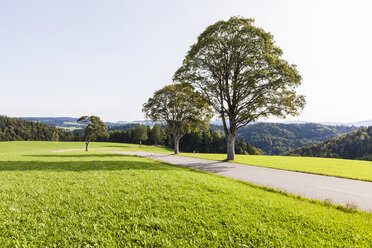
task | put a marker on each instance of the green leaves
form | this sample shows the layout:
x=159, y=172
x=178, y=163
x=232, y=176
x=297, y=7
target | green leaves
x=238, y=68
x=180, y=107
x=140, y=133
x=94, y=126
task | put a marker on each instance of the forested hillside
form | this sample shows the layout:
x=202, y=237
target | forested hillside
x=276, y=138
x=353, y=145
x=16, y=129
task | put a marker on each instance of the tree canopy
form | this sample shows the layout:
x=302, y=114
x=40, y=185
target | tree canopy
x=180, y=107
x=239, y=69
x=94, y=126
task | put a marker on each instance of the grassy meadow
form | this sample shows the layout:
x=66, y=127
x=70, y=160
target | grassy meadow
x=346, y=168
x=98, y=199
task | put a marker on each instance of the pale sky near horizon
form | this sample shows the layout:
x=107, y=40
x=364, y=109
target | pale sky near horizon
x=74, y=57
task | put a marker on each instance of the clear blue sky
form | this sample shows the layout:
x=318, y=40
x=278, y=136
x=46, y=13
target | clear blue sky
x=71, y=58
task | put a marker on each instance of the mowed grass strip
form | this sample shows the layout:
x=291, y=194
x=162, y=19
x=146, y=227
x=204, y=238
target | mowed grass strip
x=80, y=199
x=346, y=168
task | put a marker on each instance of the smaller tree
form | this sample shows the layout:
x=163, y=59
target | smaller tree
x=94, y=126
x=181, y=108
x=139, y=134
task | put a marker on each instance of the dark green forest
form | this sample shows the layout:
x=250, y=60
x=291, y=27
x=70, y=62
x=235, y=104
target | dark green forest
x=277, y=138
x=12, y=129
x=353, y=145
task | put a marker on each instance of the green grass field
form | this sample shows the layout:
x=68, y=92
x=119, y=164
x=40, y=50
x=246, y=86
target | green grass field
x=98, y=199
x=354, y=169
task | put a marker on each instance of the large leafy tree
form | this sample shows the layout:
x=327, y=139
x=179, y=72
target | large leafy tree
x=94, y=126
x=239, y=69
x=181, y=108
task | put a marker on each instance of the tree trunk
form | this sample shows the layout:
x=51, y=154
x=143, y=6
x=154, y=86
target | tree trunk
x=140, y=143
x=86, y=145
x=231, y=146
x=176, y=145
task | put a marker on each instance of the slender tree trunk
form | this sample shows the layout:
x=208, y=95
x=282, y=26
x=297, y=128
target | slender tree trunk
x=231, y=146
x=140, y=143
x=86, y=145
x=176, y=145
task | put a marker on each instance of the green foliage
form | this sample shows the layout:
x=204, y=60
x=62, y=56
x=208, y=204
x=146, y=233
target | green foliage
x=76, y=199
x=180, y=107
x=139, y=133
x=157, y=136
x=238, y=68
x=17, y=129
x=353, y=145
x=207, y=141
x=94, y=126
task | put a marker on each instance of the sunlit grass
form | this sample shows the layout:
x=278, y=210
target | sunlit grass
x=82, y=199
x=354, y=169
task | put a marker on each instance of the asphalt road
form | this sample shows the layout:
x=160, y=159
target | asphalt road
x=337, y=190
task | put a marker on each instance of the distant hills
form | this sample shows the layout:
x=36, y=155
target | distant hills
x=277, y=138
x=69, y=123
x=353, y=145
x=357, y=124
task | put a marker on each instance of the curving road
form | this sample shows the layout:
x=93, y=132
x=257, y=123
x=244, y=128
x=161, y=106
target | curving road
x=337, y=190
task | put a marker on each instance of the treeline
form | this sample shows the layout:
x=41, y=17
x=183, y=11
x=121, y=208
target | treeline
x=122, y=127
x=271, y=138
x=277, y=138
x=353, y=145
x=202, y=141
x=12, y=129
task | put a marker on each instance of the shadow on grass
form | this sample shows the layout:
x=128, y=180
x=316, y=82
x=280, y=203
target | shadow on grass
x=88, y=155
x=96, y=165
x=115, y=146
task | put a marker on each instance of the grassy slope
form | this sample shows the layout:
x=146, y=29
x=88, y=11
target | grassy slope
x=79, y=199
